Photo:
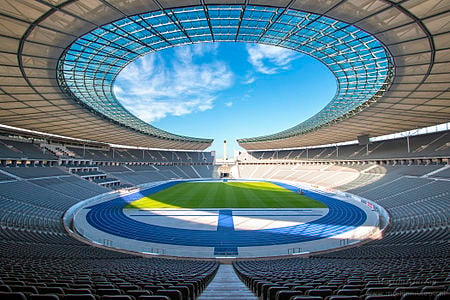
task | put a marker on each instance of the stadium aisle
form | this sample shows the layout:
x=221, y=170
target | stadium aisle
x=226, y=285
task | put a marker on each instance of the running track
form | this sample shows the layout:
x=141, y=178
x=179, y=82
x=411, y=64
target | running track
x=109, y=217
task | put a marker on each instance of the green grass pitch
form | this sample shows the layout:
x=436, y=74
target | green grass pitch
x=225, y=195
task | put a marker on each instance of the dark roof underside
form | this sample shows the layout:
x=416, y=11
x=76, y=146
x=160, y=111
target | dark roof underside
x=34, y=35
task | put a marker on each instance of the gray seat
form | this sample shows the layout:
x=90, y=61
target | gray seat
x=319, y=292
x=43, y=297
x=5, y=288
x=79, y=297
x=417, y=296
x=154, y=297
x=117, y=297
x=287, y=295
x=172, y=294
x=105, y=292
x=13, y=296
x=77, y=291
x=137, y=293
x=50, y=290
x=442, y=296
x=348, y=292
x=382, y=297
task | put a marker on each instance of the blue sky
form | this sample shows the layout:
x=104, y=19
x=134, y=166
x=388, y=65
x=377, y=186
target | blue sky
x=225, y=90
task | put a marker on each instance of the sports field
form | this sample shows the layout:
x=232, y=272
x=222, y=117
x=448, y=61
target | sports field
x=225, y=195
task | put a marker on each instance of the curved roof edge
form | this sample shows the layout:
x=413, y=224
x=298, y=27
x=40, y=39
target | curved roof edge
x=135, y=124
x=35, y=34
x=88, y=67
x=306, y=127
x=418, y=96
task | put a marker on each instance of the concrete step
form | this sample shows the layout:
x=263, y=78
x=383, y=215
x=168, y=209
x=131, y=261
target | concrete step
x=226, y=285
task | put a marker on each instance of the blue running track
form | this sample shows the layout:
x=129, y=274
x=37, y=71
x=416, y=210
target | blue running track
x=109, y=217
x=225, y=226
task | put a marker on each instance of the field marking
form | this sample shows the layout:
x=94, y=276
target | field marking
x=244, y=219
x=217, y=209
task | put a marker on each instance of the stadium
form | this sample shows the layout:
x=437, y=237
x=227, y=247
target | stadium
x=351, y=203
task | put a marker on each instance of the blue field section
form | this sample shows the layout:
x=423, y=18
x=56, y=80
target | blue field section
x=109, y=217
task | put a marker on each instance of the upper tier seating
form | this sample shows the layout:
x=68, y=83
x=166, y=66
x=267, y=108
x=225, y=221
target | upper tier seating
x=143, y=174
x=443, y=174
x=36, y=172
x=4, y=177
x=427, y=145
x=23, y=150
x=135, y=155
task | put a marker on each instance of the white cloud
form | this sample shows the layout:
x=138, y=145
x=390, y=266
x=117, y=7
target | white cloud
x=249, y=79
x=229, y=104
x=270, y=59
x=156, y=86
x=205, y=48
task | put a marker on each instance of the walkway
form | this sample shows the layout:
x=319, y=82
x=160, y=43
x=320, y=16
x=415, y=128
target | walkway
x=226, y=285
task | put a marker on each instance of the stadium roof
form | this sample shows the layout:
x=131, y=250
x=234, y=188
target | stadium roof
x=59, y=60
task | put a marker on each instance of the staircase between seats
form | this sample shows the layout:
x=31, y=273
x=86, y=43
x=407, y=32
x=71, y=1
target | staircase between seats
x=226, y=285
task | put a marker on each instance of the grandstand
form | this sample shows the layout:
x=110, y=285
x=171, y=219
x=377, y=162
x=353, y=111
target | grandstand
x=413, y=190
x=65, y=139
